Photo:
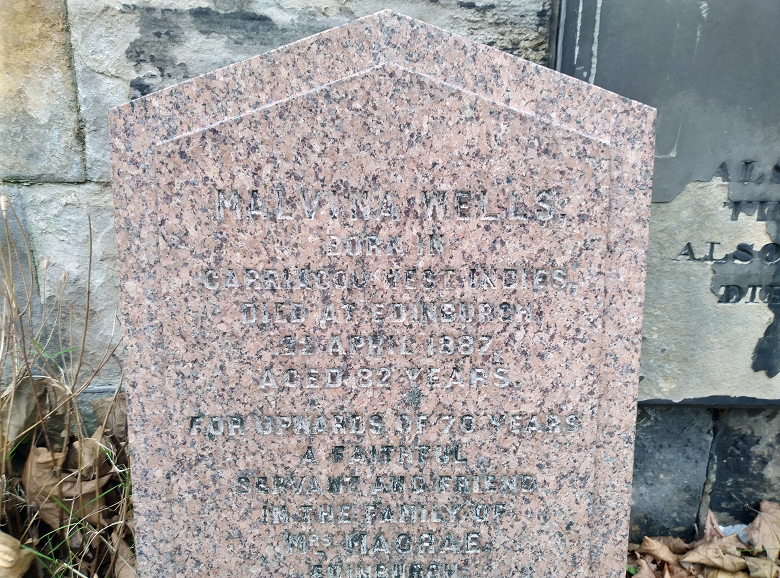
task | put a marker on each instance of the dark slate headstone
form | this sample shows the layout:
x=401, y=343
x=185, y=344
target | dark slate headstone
x=712, y=330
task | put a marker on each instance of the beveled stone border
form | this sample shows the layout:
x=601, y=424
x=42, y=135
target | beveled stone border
x=312, y=62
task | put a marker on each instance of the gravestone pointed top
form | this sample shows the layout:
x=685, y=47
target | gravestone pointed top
x=383, y=294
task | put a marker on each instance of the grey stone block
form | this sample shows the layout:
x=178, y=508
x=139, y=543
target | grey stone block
x=40, y=136
x=98, y=93
x=745, y=465
x=693, y=346
x=670, y=470
x=57, y=229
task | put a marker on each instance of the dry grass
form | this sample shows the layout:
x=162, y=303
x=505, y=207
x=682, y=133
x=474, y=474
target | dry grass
x=66, y=506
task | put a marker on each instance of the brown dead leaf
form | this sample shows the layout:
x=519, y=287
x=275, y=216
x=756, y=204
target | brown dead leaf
x=677, y=571
x=695, y=570
x=56, y=493
x=87, y=456
x=645, y=571
x=712, y=554
x=762, y=568
x=711, y=530
x=731, y=544
x=14, y=560
x=720, y=573
x=764, y=532
x=116, y=410
x=125, y=562
x=20, y=405
x=676, y=545
x=657, y=550
x=130, y=524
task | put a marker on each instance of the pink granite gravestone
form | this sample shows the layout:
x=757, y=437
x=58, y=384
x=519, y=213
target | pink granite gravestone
x=382, y=293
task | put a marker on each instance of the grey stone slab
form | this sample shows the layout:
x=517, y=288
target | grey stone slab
x=56, y=225
x=23, y=277
x=670, y=470
x=694, y=346
x=40, y=136
x=745, y=466
x=100, y=34
x=711, y=330
x=98, y=93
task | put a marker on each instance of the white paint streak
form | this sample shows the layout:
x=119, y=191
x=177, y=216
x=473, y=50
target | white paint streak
x=594, y=59
x=673, y=152
x=561, y=31
x=577, y=37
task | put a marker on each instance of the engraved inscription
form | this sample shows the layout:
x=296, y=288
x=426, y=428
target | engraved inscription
x=385, y=332
x=379, y=311
x=341, y=202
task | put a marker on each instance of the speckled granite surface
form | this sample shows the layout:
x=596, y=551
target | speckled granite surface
x=382, y=292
